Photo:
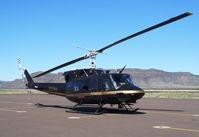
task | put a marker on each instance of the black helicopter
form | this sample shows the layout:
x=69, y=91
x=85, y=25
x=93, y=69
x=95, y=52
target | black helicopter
x=94, y=86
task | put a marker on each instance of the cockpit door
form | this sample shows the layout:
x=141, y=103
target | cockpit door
x=107, y=83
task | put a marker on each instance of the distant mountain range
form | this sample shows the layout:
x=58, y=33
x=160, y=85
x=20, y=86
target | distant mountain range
x=150, y=78
x=2, y=82
x=153, y=78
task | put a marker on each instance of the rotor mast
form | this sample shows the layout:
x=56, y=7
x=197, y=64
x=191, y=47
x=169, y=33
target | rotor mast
x=93, y=65
x=92, y=56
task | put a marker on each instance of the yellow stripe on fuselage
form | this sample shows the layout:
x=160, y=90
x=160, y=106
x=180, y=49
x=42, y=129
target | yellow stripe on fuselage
x=55, y=93
x=82, y=95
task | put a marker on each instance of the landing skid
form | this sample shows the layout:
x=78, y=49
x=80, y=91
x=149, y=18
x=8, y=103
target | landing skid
x=99, y=111
x=127, y=107
x=85, y=112
x=90, y=110
x=135, y=110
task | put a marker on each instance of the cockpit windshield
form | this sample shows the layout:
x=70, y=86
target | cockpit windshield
x=121, y=79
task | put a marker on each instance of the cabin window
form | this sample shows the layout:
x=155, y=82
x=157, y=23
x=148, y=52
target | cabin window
x=84, y=85
x=94, y=85
x=108, y=86
x=69, y=86
x=76, y=86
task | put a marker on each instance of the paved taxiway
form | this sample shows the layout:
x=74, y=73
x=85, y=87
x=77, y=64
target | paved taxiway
x=19, y=117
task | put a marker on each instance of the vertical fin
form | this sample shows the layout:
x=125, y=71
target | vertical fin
x=30, y=83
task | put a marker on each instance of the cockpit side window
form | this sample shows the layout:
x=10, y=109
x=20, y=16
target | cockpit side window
x=108, y=86
x=121, y=79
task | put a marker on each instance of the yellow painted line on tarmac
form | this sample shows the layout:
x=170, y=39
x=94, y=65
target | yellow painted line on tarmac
x=183, y=129
x=6, y=109
x=89, y=116
x=12, y=110
x=109, y=115
x=18, y=110
x=174, y=128
x=169, y=113
x=22, y=108
x=92, y=116
x=113, y=114
x=10, y=102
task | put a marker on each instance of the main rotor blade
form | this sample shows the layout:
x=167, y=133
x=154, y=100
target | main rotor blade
x=61, y=66
x=146, y=30
x=117, y=42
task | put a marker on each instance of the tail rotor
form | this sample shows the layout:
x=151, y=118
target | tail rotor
x=30, y=82
x=20, y=68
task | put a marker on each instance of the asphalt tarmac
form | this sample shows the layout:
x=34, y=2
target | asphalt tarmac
x=19, y=117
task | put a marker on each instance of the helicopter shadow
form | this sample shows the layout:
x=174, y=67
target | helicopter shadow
x=163, y=110
x=89, y=109
x=39, y=105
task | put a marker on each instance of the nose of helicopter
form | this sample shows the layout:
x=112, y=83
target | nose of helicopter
x=130, y=93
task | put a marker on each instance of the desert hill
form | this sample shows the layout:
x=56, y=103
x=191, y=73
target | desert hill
x=149, y=78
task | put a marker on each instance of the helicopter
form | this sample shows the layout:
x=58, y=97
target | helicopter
x=96, y=86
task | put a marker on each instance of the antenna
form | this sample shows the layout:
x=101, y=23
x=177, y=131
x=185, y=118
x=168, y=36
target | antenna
x=122, y=69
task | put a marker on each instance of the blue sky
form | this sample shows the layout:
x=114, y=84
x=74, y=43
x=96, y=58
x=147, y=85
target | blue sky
x=45, y=33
